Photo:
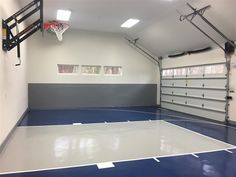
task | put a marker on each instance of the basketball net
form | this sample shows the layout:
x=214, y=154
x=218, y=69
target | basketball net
x=56, y=27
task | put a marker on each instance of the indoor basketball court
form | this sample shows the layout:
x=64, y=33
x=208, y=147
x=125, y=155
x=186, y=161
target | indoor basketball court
x=117, y=88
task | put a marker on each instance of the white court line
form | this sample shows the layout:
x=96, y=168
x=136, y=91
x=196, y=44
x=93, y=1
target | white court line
x=118, y=161
x=82, y=124
x=170, y=115
x=199, y=134
x=176, y=116
x=197, y=152
x=76, y=124
x=228, y=151
x=105, y=165
x=194, y=155
x=157, y=160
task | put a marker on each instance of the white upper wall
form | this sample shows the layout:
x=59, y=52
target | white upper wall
x=87, y=48
x=13, y=83
x=214, y=56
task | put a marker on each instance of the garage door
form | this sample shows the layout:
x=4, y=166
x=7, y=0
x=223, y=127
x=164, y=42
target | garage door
x=199, y=90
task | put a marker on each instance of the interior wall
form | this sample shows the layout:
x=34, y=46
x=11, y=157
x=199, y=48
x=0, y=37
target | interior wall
x=214, y=56
x=13, y=83
x=139, y=74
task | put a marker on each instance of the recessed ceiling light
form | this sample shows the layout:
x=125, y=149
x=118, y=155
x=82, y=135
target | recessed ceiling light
x=63, y=15
x=130, y=23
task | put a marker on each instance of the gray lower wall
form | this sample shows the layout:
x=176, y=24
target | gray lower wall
x=70, y=96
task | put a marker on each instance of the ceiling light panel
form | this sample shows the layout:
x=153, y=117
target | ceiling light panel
x=63, y=15
x=130, y=23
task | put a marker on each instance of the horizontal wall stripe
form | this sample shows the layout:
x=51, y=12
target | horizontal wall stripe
x=71, y=96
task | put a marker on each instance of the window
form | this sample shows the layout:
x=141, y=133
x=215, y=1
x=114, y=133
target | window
x=113, y=70
x=91, y=70
x=215, y=69
x=167, y=72
x=196, y=70
x=67, y=69
x=180, y=72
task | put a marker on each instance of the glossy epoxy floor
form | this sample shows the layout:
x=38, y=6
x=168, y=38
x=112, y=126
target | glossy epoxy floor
x=49, y=147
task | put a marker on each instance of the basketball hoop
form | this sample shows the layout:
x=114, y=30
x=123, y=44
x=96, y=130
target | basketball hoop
x=56, y=27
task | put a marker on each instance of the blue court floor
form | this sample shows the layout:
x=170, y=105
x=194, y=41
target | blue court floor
x=220, y=163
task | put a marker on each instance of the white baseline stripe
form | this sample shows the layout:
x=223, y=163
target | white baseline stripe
x=144, y=112
x=120, y=161
x=170, y=115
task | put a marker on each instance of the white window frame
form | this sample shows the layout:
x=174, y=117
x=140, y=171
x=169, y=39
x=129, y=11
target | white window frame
x=120, y=74
x=200, y=68
x=170, y=72
x=88, y=74
x=183, y=72
x=216, y=73
x=76, y=72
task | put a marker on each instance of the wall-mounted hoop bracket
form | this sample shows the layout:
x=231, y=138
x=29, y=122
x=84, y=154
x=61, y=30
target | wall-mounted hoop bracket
x=10, y=39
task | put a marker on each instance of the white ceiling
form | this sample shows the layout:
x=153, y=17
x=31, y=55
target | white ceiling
x=160, y=30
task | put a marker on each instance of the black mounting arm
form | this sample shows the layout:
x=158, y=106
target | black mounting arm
x=9, y=40
x=200, y=13
x=196, y=12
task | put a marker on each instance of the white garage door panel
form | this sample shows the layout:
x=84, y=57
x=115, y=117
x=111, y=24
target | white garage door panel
x=207, y=94
x=175, y=82
x=214, y=105
x=197, y=112
x=219, y=83
x=216, y=94
x=167, y=98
